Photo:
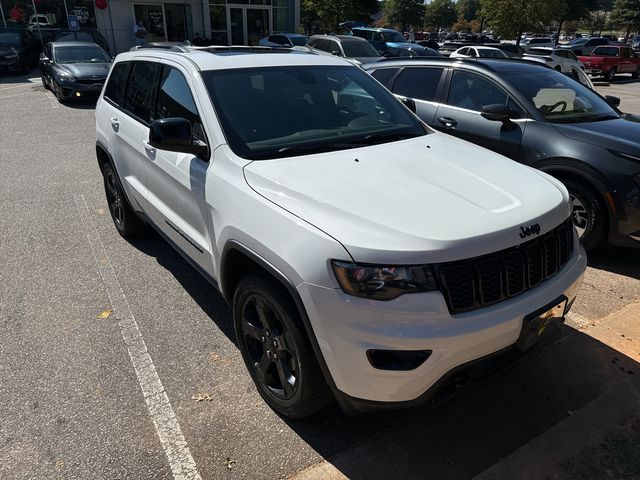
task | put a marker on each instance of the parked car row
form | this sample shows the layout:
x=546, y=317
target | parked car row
x=541, y=118
x=366, y=256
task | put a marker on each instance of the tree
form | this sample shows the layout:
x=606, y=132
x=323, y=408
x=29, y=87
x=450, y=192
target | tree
x=511, y=18
x=440, y=13
x=626, y=14
x=467, y=10
x=330, y=13
x=401, y=13
x=574, y=10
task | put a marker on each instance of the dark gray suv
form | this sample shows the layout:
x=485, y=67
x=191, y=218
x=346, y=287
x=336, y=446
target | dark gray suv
x=539, y=117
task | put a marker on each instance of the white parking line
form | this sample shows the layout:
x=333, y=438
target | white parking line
x=164, y=418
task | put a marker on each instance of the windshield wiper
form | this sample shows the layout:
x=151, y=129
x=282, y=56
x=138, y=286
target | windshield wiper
x=293, y=151
x=374, y=138
x=605, y=117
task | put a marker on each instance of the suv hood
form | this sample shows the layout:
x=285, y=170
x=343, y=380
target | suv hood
x=422, y=200
x=87, y=70
x=622, y=134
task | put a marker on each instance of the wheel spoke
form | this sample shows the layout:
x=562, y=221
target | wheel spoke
x=252, y=330
x=261, y=310
x=287, y=380
x=262, y=366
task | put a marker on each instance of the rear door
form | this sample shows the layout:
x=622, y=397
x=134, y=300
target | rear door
x=460, y=115
x=123, y=128
x=423, y=85
x=176, y=181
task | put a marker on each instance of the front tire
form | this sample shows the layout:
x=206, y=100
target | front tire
x=636, y=74
x=276, y=349
x=124, y=218
x=589, y=214
x=611, y=75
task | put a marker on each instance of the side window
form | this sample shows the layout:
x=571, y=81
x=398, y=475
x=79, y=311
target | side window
x=323, y=45
x=463, y=51
x=625, y=52
x=175, y=100
x=118, y=83
x=418, y=83
x=473, y=92
x=139, y=89
x=472, y=52
x=384, y=75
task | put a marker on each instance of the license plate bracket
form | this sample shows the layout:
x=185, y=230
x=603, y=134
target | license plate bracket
x=536, y=323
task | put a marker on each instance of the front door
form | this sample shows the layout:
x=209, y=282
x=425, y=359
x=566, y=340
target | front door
x=248, y=24
x=460, y=115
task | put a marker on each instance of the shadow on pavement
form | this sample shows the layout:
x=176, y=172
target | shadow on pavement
x=17, y=77
x=623, y=261
x=463, y=430
x=202, y=292
x=463, y=433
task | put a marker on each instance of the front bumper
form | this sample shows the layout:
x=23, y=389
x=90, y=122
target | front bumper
x=346, y=327
x=78, y=90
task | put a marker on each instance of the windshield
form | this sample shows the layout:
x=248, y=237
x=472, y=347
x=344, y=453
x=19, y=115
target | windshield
x=299, y=41
x=9, y=38
x=276, y=112
x=359, y=49
x=486, y=53
x=395, y=37
x=83, y=54
x=559, y=98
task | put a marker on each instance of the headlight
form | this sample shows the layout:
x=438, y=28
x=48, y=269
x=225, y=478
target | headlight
x=383, y=283
x=62, y=75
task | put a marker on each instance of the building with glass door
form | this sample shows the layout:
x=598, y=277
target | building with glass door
x=221, y=22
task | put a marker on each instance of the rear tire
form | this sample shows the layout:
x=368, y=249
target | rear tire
x=124, y=218
x=276, y=349
x=636, y=74
x=589, y=214
x=611, y=76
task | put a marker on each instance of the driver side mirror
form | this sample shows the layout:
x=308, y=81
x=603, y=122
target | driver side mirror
x=409, y=103
x=175, y=135
x=496, y=112
x=612, y=101
x=43, y=57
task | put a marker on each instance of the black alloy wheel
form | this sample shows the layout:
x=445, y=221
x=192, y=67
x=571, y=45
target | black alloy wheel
x=276, y=350
x=124, y=218
x=589, y=214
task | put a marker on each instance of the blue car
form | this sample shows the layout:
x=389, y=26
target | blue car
x=382, y=38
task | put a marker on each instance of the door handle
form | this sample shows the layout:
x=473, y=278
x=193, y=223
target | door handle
x=115, y=124
x=447, y=122
x=151, y=151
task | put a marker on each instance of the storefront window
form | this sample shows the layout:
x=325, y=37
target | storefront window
x=84, y=10
x=218, y=15
x=281, y=20
x=17, y=13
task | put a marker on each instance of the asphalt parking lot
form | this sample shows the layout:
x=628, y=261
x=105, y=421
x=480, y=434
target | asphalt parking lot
x=71, y=395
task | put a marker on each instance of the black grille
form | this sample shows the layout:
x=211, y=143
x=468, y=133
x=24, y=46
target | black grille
x=480, y=281
x=94, y=81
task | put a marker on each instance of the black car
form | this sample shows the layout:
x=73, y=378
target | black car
x=74, y=70
x=539, y=117
x=511, y=49
x=429, y=44
x=411, y=51
x=84, y=35
x=18, y=50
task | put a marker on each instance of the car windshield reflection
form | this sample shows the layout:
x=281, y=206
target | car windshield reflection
x=559, y=98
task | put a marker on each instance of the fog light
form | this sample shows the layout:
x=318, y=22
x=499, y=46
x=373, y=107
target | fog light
x=397, y=359
x=77, y=94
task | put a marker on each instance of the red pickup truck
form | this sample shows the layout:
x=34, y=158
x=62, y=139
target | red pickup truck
x=610, y=60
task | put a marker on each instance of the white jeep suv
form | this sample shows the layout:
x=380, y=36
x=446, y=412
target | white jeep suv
x=366, y=256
